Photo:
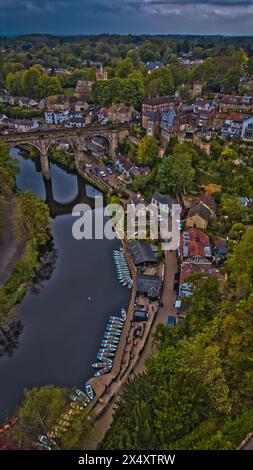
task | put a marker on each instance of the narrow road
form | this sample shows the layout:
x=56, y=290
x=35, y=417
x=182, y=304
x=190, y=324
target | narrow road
x=166, y=307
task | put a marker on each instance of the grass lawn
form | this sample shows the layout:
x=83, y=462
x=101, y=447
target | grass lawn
x=69, y=91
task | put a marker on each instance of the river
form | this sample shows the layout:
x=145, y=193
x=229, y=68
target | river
x=62, y=327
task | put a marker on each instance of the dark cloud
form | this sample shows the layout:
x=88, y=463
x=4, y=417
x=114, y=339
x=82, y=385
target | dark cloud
x=124, y=16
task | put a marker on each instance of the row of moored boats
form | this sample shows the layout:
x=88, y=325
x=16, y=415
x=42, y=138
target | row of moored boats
x=109, y=344
x=123, y=271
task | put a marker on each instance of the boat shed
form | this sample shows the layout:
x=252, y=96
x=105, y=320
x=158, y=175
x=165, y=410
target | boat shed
x=149, y=285
x=142, y=253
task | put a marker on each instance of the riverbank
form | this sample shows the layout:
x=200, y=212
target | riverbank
x=25, y=234
x=11, y=249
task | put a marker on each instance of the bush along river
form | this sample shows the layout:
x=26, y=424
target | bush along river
x=64, y=313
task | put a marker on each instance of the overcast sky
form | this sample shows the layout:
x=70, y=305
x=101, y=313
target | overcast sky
x=127, y=16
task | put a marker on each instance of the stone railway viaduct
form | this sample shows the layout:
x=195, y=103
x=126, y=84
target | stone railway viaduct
x=77, y=138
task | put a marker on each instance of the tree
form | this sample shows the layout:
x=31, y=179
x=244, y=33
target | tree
x=167, y=82
x=240, y=265
x=133, y=55
x=48, y=86
x=8, y=171
x=30, y=81
x=231, y=80
x=189, y=375
x=32, y=218
x=228, y=153
x=132, y=92
x=231, y=208
x=153, y=87
x=163, y=80
x=41, y=410
x=176, y=174
x=147, y=150
x=124, y=68
x=38, y=413
x=14, y=83
x=8, y=168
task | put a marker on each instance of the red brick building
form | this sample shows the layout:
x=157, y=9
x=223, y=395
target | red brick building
x=238, y=104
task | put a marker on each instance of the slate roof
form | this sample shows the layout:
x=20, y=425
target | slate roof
x=141, y=252
x=149, y=285
x=200, y=210
x=159, y=100
x=163, y=199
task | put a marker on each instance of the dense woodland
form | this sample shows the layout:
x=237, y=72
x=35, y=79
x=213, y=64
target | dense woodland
x=24, y=59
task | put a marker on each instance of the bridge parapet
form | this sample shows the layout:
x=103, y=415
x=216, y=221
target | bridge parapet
x=42, y=139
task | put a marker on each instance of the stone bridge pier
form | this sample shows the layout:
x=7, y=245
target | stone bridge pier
x=43, y=147
x=44, y=162
x=78, y=145
x=44, y=138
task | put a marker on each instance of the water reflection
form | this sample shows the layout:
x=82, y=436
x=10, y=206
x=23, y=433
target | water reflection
x=62, y=328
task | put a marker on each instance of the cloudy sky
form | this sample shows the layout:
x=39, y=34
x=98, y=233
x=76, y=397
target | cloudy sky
x=127, y=16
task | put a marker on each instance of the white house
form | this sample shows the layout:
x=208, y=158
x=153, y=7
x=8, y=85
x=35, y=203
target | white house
x=247, y=129
x=56, y=117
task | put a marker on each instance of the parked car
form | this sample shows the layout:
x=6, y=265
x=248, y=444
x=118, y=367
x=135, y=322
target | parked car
x=109, y=170
x=171, y=321
x=103, y=174
x=88, y=165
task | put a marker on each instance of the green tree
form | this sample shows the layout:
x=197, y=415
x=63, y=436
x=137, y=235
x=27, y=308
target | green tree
x=231, y=208
x=124, y=68
x=8, y=171
x=32, y=219
x=40, y=411
x=240, y=265
x=132, y=92
x=14, y=83
x=176, y=173
x=48, y=86
x=228, y=153
x=147, y=150
x=30, y=81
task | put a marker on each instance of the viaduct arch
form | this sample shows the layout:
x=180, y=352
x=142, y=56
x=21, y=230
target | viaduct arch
x=43, y=139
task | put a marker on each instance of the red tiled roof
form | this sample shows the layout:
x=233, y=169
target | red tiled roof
x=197, y=244
x=236, y=117
x=188, y=269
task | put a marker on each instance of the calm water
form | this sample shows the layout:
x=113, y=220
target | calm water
x=62, y=328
